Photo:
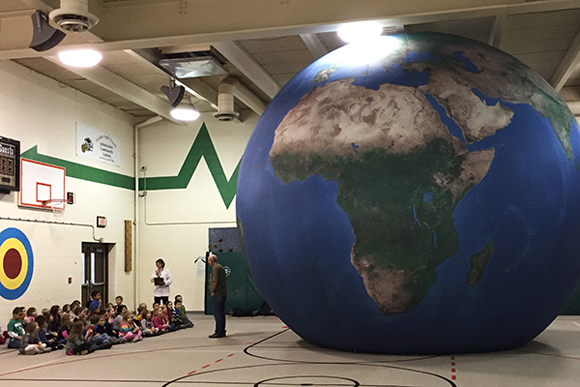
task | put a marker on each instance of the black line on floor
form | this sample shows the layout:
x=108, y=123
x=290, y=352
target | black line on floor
x=410, y=370
x=270, y=381
x=324, y=350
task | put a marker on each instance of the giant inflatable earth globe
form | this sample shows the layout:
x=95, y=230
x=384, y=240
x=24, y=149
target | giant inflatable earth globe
x=415, y=194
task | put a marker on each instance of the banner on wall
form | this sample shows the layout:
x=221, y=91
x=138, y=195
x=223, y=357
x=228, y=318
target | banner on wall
x=96, y=145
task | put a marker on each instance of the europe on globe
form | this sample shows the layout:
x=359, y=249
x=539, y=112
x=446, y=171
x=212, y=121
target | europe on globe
x=417, y=193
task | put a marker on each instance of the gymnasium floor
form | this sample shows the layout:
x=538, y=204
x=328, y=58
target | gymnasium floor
x=261, y=351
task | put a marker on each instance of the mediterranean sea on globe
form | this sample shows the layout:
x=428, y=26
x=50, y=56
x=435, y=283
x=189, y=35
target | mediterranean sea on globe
x=419, y=193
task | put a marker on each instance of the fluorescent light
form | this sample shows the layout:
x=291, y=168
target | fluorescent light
x=80, y=58
x=355, y=32
x=184, y=113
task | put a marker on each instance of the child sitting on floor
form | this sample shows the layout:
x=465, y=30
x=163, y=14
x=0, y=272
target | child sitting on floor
x=54, y=323
x=64, y=329
x=15, y=328
x=128, y=330
x=180, y=314
x=146, y=325
x=140, y=310
x=30, y=314
x=159, y=321
x=97, y=304
x=2, y=338
x=50, y=339
x=31, y=344
x=173, y=325
x=99, y=340
x=77, y=342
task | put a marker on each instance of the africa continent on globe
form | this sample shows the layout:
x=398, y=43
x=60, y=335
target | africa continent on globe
x=416, y=194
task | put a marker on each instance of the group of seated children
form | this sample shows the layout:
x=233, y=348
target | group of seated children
x=84, y=330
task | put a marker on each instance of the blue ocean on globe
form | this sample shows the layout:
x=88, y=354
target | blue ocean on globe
x=419, y=193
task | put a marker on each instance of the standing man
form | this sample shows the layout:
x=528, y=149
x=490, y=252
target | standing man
x=217, y=281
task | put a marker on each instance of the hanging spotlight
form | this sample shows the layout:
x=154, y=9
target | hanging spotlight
x=174, y=93
x=185, y=112
x=359, y=31
x=44, y=37
x=80, y=58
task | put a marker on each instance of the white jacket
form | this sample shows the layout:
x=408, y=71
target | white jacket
x=162, y=290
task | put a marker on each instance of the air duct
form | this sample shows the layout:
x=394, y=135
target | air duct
x=73, y=16
x=226, y=110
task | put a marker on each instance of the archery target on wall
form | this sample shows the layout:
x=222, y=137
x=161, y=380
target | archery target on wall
x=16, y=263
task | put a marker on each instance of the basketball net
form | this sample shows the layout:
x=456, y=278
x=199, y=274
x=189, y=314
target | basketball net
x=56, y=205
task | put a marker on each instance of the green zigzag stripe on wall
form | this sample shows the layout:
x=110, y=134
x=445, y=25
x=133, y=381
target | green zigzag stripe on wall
x=202, y=146
x=83, y=172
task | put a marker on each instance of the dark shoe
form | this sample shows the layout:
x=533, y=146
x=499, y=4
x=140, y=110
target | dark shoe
x=216, y=336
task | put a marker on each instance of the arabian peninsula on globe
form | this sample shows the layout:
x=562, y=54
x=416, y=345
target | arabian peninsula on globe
x=412, y=196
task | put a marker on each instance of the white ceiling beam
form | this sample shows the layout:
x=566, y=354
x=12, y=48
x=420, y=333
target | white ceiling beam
x=40, y=5
x=200, y=89
x=570, y=93
x=497, y=30
x=574, y=107
x=250, y=99
x=179, y=18
x=567, y=65
x=247, y=66
x=164, y=24
x=122, y=88
x=314, y=45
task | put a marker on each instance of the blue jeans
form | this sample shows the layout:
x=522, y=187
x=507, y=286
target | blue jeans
x=14, y=343
x=219, y=314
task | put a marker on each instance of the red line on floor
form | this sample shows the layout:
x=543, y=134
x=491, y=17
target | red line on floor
x=207, y=365
x=453, y=369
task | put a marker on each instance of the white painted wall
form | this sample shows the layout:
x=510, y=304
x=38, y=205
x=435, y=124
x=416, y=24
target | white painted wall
x=38, y=111
x=174, y=224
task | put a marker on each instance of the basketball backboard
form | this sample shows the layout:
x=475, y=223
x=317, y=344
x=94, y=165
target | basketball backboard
x=41, y=185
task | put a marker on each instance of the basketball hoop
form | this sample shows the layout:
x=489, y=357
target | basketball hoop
x=56, y=205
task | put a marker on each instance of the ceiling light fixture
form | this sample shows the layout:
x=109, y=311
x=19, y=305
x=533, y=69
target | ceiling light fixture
x=173, y=92
x=80, y=58
x=359, y=31
x=44, y=36
x=185, y=112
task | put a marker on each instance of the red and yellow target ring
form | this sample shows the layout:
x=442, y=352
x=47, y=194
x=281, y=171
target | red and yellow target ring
x=16, y=263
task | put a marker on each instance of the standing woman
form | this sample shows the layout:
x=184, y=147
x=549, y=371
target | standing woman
x=161, y=277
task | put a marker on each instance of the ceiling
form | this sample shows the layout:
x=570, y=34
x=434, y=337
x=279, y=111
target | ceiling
x=264, y=43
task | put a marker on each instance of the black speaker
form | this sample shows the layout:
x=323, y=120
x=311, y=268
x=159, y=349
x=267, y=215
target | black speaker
x=44, y=37
x=174, y=94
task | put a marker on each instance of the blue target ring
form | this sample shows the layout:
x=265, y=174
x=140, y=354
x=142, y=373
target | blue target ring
x=16, y=263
